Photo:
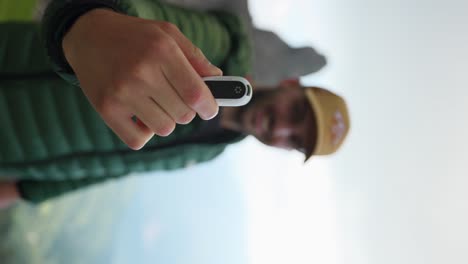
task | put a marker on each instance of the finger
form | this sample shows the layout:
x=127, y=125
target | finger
x=163, y=94
x=193, y=54
x=189, y=86
x=173, y=105
x=154, y=117
x=119, y=119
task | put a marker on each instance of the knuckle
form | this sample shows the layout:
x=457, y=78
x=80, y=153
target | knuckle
x=158, y=42
x=193, y=97
x=195, y=50
x=131, y=84
x=162, y=46
x=168, y=27
x=121, y=89
x=106, y=107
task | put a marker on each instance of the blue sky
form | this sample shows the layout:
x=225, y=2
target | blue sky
x=185, y=216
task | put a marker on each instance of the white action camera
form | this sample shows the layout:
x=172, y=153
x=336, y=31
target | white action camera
x=229, y=90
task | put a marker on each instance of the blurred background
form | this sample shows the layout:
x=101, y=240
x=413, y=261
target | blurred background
x=395, y=193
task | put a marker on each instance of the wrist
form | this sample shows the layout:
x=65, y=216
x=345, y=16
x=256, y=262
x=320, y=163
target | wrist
x=77, y=33
x=59, y=17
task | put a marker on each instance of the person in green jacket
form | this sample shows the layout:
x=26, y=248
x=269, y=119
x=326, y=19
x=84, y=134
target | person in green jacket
x=133, y=74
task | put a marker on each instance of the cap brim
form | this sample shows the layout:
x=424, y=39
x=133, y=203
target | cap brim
x=319, y=123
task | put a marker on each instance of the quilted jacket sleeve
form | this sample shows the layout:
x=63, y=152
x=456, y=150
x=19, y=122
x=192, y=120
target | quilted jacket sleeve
x=199, y=27
x=37, y=191
x=58, y=18
x=21, y=55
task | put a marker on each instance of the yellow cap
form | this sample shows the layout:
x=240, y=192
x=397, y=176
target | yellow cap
x=332, y=121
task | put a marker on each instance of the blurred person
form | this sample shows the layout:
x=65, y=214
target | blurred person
x=136, y=67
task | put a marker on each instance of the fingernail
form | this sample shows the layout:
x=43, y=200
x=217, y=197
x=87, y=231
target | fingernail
x=218, y=70
x=211, y=117
x=214, y=67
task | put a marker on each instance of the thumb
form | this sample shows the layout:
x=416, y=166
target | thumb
x=202, y=65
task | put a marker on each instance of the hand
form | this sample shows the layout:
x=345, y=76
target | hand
x=8, y=194
x=129, y=66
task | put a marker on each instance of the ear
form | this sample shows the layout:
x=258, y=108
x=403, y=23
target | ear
x=292, y=82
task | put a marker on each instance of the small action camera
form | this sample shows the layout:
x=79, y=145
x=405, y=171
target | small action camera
x=229, y=90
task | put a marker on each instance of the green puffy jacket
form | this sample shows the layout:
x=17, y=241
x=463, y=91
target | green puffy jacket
x=53, y=141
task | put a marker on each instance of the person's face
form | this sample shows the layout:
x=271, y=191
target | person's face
x=280, y=118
